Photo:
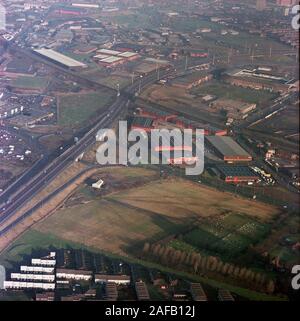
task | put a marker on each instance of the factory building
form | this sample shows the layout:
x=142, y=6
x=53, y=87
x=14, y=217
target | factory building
x=112, y=58
x=111, y=61
x=258, y=79
x=237, y=174
x=192, y=80
x=60, y=59
x=227, y=149
x=172, y=120
x=235, y=109
x=142, y=123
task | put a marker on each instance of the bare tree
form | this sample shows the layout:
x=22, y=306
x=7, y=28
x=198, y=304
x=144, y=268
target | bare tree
x=270, y=287
x=146, y=248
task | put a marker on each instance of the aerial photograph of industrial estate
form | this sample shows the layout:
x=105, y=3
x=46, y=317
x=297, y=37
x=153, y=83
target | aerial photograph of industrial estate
x=149, y=150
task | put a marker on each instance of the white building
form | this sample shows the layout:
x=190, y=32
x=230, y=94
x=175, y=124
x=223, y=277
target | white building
x=36, y=269
x=118, y=279
x=33, y=277
x=39, y=276
x=45, y=262
x=73, y=274
x=28, y=285
x=98, y=184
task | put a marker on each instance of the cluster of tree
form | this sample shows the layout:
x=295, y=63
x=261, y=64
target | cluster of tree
x=196, y=263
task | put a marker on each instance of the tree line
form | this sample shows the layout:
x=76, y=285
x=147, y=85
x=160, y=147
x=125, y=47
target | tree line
x=198, y=264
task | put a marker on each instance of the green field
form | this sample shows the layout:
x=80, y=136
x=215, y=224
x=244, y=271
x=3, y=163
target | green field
x=222, y=90
x=133, y=21
x=111, y=81
x=228, y=236
x=27, y=82
x=75, y=109
x=33, y=240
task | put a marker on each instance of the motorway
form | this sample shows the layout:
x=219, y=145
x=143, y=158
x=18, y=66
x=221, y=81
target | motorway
x=24, y=190
x=24, y=193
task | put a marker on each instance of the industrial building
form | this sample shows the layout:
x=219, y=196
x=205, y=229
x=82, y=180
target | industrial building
x=257, y=79
x=112, y=58
x=227, y=149
x=235, y=109
x=111, y=61
x=237, y=174
x=192, y=80
x=118, y=279
x=60, y=59
x=173, y=121
x=74, y=274
x=142, y=123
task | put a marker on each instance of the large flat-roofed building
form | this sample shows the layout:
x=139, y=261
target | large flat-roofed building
x=142, y=123
x=237, y=174
x=236, y=109
x=129, y=55
x=60, y=59
x=258, y=79
x=192, y=80
x=112, y=61
x=74, y=274
x=112, y=58
x=109, y=52
x=226, y=148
